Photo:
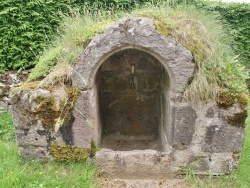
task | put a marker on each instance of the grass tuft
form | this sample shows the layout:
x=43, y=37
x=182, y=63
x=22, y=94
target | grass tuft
x=76, y=32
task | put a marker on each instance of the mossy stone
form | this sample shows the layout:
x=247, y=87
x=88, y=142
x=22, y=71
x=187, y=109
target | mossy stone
x=238, y=119
x=69, y=152
x=162, y=28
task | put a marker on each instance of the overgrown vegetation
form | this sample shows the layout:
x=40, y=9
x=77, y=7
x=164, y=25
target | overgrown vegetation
x=76, y=33
x=217, y=70
x=237, y=16
x=15, y=172
x=27, y=28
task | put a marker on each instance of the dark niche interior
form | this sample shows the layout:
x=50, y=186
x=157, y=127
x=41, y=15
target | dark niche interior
x=133, y=97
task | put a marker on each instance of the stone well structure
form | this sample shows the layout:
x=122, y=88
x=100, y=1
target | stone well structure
x=130, y=82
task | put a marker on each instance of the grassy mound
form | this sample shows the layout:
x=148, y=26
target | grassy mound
x=217, y=68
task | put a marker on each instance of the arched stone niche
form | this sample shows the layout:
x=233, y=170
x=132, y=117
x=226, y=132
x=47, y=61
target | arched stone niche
x=119, y=108
x=131, y=80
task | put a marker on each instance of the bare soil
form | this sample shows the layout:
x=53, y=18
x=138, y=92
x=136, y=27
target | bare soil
x=142, y=183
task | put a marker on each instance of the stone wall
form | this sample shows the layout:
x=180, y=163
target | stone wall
x=9, y=80
x=205, y=139
x=130, y=107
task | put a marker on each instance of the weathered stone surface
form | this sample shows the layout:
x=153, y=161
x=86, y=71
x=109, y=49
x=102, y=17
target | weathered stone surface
x=137, y=33
x=4, y=106
x=199, y=165
x=137, y=163
x=211, y=111
x=83, y=128
x=31, y=138
x=65, y=135
x=185, y=117
x=221, y=137
x=31, y=135
x=221, y=163
x=31, y=152
x=9, y=80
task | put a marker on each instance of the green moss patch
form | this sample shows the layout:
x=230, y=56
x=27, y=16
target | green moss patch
x=226, y=99
x=52, y=115
x=162, y=28
x=46, y=111
x=243, y=99
x=76, y=34
x=69, y=152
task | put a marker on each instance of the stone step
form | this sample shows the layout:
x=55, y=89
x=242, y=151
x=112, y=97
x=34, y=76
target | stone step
x=135, y=164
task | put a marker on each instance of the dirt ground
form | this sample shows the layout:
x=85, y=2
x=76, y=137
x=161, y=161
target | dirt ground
x=141, y=183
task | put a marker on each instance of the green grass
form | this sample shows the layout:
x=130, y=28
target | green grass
x=6, y=127
x=18, y=173
x=244, y=167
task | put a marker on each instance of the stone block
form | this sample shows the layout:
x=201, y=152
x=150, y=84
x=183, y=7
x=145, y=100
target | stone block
x=222, y=163
x=31, y=152
x=31, y=138
x=184, y=127
x=137, y=163
x=222, y=137
x=84, y=128
x=211, y=111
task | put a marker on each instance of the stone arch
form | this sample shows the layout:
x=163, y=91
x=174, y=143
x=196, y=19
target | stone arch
x=140, y=48
x=129, y=33
x=139, y=33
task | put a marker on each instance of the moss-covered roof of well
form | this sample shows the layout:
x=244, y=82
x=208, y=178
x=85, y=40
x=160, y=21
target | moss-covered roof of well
x=217, y=70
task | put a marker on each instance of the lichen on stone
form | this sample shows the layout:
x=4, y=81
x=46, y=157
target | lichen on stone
x=65, y=111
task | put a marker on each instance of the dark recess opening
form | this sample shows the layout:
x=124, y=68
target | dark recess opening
x=131, y=84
